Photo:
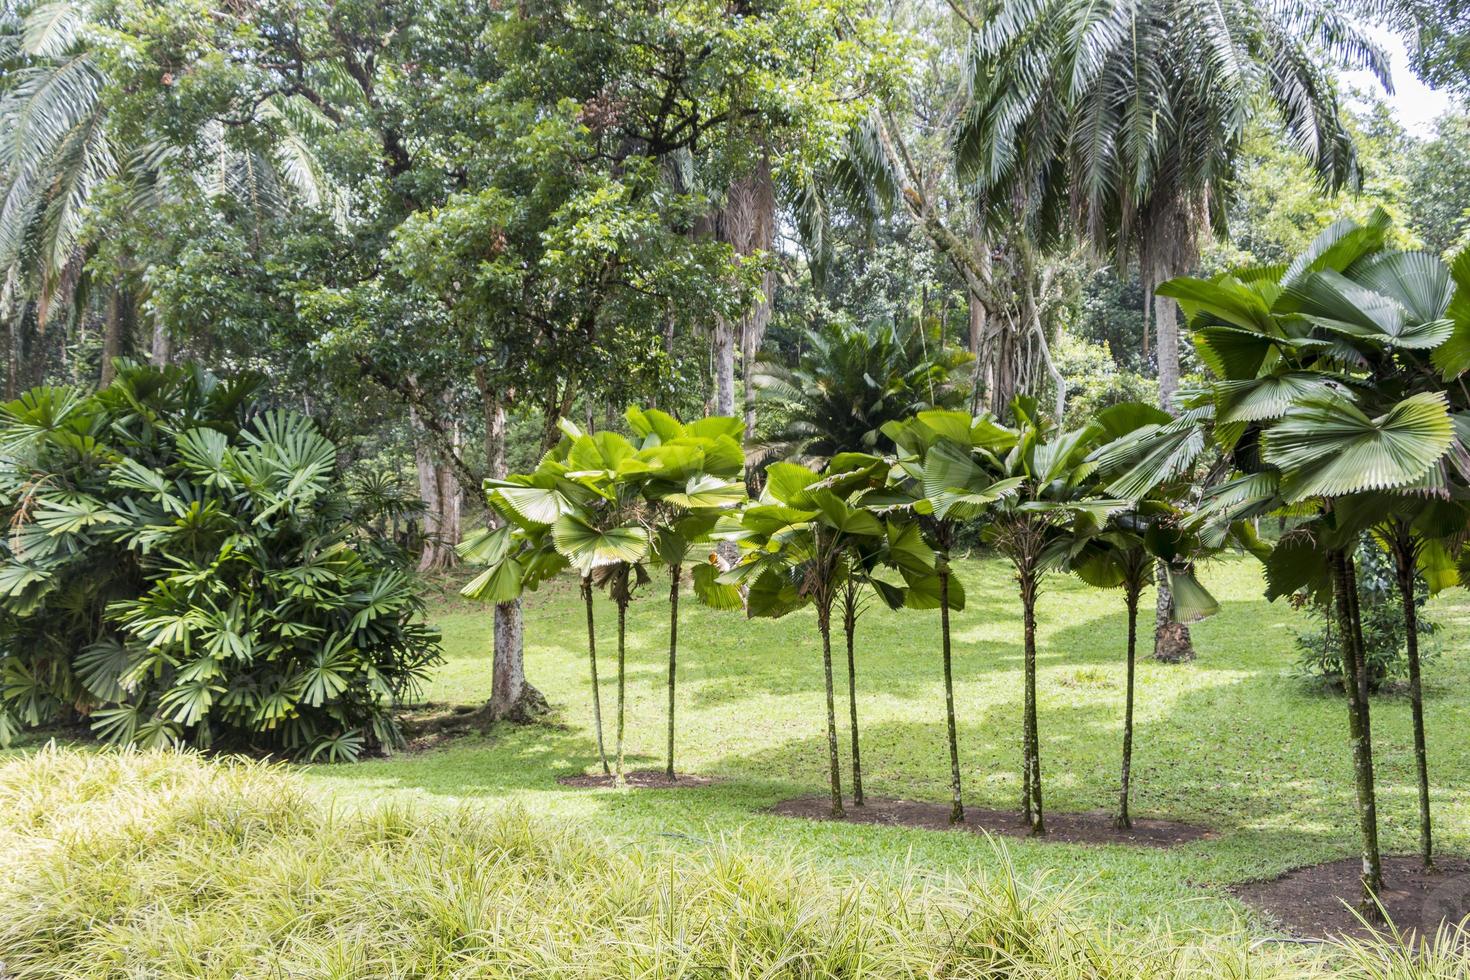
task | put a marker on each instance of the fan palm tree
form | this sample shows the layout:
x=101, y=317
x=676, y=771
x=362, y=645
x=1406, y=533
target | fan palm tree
x=1148, y=537
x=1052, y=512
x=698, y=471
x=796, y=541
x=1131, y=116
x=1333, y=397
x=935, y=478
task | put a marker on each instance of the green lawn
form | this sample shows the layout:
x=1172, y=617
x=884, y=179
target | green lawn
x=1233, y=741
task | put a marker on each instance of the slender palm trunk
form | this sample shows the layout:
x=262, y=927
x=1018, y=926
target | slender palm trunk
x=1034, y=812
x=1123, y=820
x=1403, y=560
x=618, y=779
x=1358, y=731
x=675, y=574
x=849, y=627
x=592, y=658
x=824, y=623
x=956, y=796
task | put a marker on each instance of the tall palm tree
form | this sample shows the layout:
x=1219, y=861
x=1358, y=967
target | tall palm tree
x=1130, y=116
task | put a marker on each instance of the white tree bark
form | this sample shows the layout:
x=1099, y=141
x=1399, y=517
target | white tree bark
x=510, y=696
x=723, y=348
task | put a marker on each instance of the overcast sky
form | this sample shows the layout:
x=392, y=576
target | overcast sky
x=1415, y=104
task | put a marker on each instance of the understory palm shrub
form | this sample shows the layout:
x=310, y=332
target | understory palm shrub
x=1385, y=635
x=165, y=864
x=183, y=567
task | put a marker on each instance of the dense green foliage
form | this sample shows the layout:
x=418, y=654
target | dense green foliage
x=183, y=566
x=1384, y=627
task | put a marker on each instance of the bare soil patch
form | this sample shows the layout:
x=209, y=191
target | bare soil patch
x=640, y=779
x=1313, y=901
x=1094, y=827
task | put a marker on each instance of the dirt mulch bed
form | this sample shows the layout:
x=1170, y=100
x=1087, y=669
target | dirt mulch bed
x=1067, y=828
x=1309, y=901
x=640, y=779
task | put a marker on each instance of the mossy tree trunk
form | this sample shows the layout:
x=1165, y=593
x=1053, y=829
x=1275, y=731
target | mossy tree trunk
x=956, y=795
x=849, y=628
x=675, y=575
x=592, y=659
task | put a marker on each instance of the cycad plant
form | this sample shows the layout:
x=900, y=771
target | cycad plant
x=1335, y=398
x=848, y=381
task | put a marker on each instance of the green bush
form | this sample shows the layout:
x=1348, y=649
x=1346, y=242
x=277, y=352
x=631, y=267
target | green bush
x=163, y=864
x=1385, y=632
x=183, y=567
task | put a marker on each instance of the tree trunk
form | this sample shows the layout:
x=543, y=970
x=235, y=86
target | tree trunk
x=1123, y=820
x=1166, y=320
x=824, y=624
x=592, y=659
x=956, y=796
x=161, y=352
x=1034, y=812
x=1148, y=287
x=622, y=600
x=849, y=628
x=428, y=477
x=13, y=352
x=1172, y=643
x=752, y=334
x=1360, y=734
x=112, y=337
x=675, y=574
x=511, y=697
x=1404, y=566
x=979, y=315
x=724, y=366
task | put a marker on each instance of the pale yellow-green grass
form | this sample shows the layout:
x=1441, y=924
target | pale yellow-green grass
x=168, y=865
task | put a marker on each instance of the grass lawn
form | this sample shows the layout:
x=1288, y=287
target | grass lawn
x=1233, y=741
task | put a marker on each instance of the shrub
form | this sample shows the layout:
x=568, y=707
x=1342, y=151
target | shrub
x=1384, y=630
x=182, y=567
